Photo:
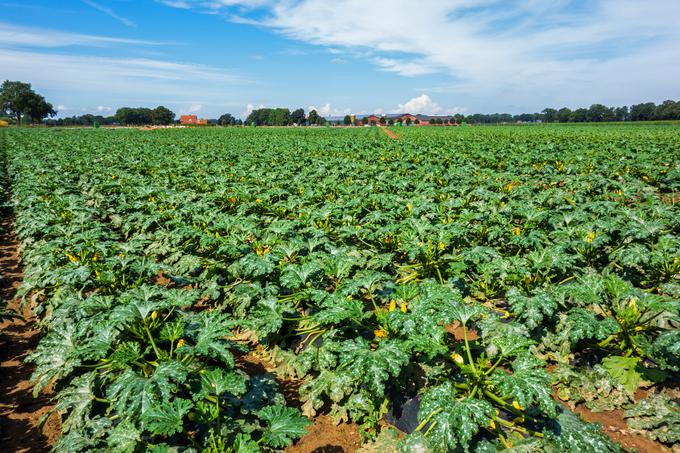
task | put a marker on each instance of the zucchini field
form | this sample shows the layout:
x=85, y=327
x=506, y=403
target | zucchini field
x=455, y=289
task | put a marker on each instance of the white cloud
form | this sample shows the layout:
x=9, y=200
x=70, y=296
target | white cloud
x=194, y=108
x=405, y=68
x=250, y=108
x=509, y=52
x=176, y=3
x=419, y=104
x=79, y=79
x=13, y=35
x=456, y=110
x=326, y=110
x=104, y=109
x=109, y=12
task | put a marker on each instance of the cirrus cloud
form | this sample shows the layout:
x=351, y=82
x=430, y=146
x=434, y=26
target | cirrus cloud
x=496, y=52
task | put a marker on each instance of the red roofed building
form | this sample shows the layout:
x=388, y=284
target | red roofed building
x=372, y=120
x=191, y=120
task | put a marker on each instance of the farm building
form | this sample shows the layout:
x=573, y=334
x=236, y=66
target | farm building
x=407, y=116
x=372, y=120
x=191, y=120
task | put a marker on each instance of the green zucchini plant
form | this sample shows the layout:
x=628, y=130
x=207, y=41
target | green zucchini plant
x=138, y=371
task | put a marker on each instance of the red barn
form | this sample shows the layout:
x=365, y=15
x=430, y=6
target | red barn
x=372, y=120
x=191, y=119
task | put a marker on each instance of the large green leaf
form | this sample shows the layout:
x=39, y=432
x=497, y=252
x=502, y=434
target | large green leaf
x=166, y=418
x=372, y=367
x=283, y=425
x=527, y=385
x=454, y=421
x=123, y=438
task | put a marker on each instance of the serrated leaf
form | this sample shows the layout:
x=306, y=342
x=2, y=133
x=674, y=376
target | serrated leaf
x=76, y=401
x=132, y=394
x=218, y=381
x=336, y=309
x=571, y=434
x=593, y=386
x=528, y=386
x=373, y=368
x=123, y=438
x=512, y=345
x=665, y=350
x=244, y=444
x=457, y=420
x=624, y=370
x=267, y=316
x=584, y=325
x=166, y=419
x=208, y=329
x=658, y=416
x=283, y=425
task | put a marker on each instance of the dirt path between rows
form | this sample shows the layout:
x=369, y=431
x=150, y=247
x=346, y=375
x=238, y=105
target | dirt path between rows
x=389, y=133
x=20, y=412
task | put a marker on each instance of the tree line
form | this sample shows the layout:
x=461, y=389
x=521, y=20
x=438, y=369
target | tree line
x=596, y=113
x=284, y=117
x=21, y=103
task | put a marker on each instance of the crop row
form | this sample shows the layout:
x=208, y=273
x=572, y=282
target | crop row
x=430, y=281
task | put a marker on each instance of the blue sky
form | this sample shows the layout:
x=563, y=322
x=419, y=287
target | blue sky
x=423, y=56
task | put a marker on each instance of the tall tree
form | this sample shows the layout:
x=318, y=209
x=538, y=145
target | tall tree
x=598, y=113
x=18, y=99
x=226, y=120
x=162, y=115
x=642, y=112
x=549, y=115
x=564, y=115
x=580, y=115
x=38, y=108
x=621, y=113
x=347, y=120
x=668, y=110
x=279, y=117
x=297, y=117
x=313, y=117
x=133, y=116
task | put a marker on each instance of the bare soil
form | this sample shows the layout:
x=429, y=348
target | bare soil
x=325, y=437
x=389, y=133
x=20, y=412
x=614, y=426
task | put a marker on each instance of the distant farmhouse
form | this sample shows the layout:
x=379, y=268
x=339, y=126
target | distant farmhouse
x=405, y=118
x=189, y=120
x=408, y=119
x=401, y=118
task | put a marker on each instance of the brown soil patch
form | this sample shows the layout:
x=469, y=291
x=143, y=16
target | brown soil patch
x=456, y=329
x=614, y=426
x=670, y=199
x=20, y=412
x=389, y=133
x=325, y=437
